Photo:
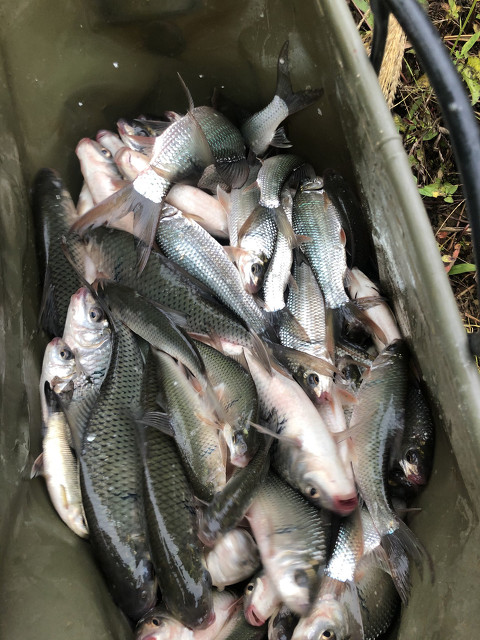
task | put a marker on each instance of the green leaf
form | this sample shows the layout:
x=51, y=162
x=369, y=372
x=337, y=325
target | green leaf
x=465, y=267
x=448, y=199
x=429, y=134
x=430, y=190
x=469, y=44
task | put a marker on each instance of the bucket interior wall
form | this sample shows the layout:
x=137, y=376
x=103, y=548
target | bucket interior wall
x=75, y=67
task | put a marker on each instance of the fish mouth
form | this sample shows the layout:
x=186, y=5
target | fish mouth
x=203, y=623
x=252, y=618
x=344, y=506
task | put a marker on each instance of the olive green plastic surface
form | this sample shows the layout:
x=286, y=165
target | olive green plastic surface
x=70, y=68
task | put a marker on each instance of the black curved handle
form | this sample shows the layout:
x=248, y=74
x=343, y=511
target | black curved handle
x=451, y=94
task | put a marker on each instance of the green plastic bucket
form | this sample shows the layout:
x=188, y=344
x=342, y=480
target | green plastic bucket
x=70, y=68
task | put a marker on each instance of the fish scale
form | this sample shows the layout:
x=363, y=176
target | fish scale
x=315, y=216
x=171, y=521
x=194, y=249
x=54, y=212
x=111, y=480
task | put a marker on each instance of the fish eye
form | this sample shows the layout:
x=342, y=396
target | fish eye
x=311, y=491
x=157, y=622
x=328, y=634
x=105, y=152
x=411, y=456
x=256, y=269
x=301, y=578
x=66, y=354
x=95, y=314
x=313, y=379
x=250, y=586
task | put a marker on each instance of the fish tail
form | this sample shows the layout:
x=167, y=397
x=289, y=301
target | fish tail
x=294, y=101
x=146, y=215
x=400, y=546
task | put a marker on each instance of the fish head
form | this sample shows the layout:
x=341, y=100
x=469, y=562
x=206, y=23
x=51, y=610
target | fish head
x=297, y=583
x=157, y=624
x=326, y=621
x=93, y=156
x=316, y=386
x=413, y=465
x=259, y=600
x=321, y=491
x=59, y=365
x=252, y=267
x=242, y=442
x=86, y=324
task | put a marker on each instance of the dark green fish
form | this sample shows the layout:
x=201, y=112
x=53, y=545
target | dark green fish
x=376, y=422
x=191, y=247
x=229, y=506
x=238, y=396
x=412, y=462
x=111, y=481
x=282, y=624
x=54, y=212
x=194, y=430
x=176, y=552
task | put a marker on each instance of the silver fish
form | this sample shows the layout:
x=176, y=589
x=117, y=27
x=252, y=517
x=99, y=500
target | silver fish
x=233, y=558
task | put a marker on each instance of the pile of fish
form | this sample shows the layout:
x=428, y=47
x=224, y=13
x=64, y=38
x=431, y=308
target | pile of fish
x=224, y=381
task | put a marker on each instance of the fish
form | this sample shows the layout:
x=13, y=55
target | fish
x=58, y=465
x=53, y=212
x=261, y=599
x=376, y=421
x=228, y=506
x=112, y=483
x=292, y=536
x=130, y=163
x=159, y=624
x=357, y=598
x=237, y=393
x=233, y=558
x=194, y=430
x=261, y=130
x=278, y=274
x=59, y=370
x=237, y=628
x=136, y=138
x=180, y=154
x=306, y=454
x=240, y=203
x=88, y=334
x=184, y=242
x=359, y=287
x=99, y=169
x=412, y=461
x=282, y=624
x=85, y=200
x=110, y=141
x=185, y=585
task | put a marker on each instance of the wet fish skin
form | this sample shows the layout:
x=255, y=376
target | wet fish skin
x=239, y=400
x=170, y=512
x=112, y=483
x=274, y=174
x=59, y=370
x=155, y=326
x=233, y=558
x=282, y=624
x=226, y=143
x=314, y=216
x=99, y=169
x=191, y=247
x=292, y=536
x=412, y=463
x=377, y=420
x=59, y=467
x=159, y=624
x=261, y=599
x=305, y=455
x=228, y=507
x=242, y=202
x=195, y=435
x=88, y=334
x=260, y=130
x=255, y=249
x=54, y=212
x=114, y=253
